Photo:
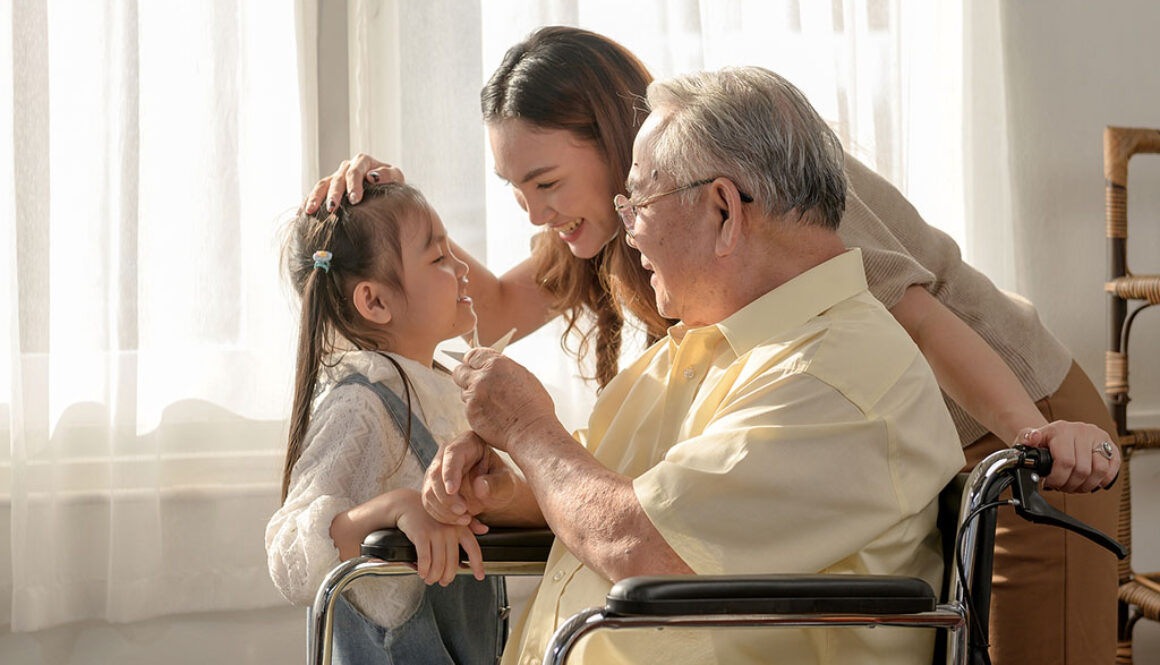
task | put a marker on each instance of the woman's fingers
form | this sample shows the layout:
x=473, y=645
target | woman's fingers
x=1113, y=470
x=349, y=179
x=314, y=198
x=1080, y=463
x=354, y=177
x=1098, y=475
x=1082, y=469
x=337, y=187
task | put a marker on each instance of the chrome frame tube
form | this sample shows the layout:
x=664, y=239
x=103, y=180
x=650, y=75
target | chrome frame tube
x=569, y=634
x=320, y=618
x=984, y=484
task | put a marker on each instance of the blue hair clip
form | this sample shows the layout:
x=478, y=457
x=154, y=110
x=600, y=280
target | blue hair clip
x=322, y=259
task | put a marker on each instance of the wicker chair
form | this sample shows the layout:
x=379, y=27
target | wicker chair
x=1139, y=592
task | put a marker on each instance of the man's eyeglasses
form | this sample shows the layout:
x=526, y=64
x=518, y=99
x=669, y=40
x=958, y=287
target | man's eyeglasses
x=627, y=209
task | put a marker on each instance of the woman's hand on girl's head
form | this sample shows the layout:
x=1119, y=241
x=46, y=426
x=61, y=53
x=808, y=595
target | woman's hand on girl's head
x=437, y=545
x=348, y=179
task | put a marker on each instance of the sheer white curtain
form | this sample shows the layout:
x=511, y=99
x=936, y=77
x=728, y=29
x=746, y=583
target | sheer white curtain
x=146, y=342
x=913, y=88
x=150, y=147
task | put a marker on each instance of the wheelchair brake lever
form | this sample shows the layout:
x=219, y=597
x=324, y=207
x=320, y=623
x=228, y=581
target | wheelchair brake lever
x=1031, y=506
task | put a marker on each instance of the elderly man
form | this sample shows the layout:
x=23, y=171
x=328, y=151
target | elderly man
x=787, y=424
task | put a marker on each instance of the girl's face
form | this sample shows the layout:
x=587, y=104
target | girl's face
x=560, y=181
x=436, y=306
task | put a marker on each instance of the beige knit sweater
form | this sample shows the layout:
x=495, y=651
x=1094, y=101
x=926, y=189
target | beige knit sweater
x=899, y=250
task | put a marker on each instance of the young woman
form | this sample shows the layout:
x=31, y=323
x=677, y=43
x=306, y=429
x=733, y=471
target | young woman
x=561, y=112
x=380, y=288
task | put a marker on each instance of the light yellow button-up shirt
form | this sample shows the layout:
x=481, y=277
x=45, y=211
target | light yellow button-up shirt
x=803, y=434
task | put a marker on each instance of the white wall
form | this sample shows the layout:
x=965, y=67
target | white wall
x=1073, y=67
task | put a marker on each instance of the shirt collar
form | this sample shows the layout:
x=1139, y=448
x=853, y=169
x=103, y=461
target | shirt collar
x=796, y=301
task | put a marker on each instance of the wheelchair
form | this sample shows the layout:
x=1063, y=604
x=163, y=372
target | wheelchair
x=967, y=512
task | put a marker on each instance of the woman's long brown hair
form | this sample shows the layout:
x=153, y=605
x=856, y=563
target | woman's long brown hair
x=365, y=243
x=572, y=79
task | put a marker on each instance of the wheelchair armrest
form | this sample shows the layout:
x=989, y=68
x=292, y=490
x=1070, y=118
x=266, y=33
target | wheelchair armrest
x=498, y=544
x=770, y=594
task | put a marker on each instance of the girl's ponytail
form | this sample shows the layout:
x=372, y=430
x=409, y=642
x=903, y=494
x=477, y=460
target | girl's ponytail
x=312, y=348
x=324, y=255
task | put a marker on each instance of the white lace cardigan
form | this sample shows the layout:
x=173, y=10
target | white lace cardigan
x=351, y=447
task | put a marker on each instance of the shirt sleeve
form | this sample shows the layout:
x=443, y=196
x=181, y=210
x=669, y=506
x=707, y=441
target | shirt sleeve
x=890, y=268
x=804, y=472
x=331, y=476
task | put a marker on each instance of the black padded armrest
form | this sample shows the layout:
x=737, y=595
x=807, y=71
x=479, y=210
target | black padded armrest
x=770, y=594
x=498, y=544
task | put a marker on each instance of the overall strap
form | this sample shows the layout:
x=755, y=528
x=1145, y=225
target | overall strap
x=422, y=443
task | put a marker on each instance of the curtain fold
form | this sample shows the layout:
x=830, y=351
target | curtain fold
x=155, y=146
x=989, y=230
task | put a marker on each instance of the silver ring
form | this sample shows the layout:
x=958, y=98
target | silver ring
x=1104, y=448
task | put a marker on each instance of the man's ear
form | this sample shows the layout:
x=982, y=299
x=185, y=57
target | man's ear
x=372, y=300
x=726, y=201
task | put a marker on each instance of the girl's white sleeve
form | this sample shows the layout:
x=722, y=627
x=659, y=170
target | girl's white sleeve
x=351, y=444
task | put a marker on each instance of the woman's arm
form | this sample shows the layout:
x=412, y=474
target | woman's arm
x=978, y=380
x=966, y=367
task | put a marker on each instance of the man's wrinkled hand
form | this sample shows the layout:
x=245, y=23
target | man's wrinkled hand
x=466, y=478
x=504, y=400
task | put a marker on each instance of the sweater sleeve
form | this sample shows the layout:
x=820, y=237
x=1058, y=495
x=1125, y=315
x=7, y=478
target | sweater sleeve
x=870, y=224
x=350, y=448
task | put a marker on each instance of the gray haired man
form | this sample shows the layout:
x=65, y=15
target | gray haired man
x=786, y=424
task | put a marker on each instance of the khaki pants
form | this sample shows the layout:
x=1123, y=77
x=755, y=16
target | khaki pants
x=1054, y=594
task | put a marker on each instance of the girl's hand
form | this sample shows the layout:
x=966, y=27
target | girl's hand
x=348, y=179
x=437, y=545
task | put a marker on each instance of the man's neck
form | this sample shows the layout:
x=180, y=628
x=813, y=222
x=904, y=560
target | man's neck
x=763, y=266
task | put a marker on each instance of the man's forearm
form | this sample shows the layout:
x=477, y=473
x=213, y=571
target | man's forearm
x=522, y=510
x=592, y=509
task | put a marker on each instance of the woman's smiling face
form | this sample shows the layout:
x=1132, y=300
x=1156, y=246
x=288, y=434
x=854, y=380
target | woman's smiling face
x=561, y=181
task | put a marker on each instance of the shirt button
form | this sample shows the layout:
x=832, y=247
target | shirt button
x=690, y=373
x=557, y=576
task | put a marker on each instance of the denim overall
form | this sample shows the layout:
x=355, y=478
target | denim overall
x=461, y=624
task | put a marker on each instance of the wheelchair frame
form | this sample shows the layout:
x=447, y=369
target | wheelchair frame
x=768, y=600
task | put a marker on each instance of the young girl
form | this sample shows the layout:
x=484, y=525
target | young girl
x=380, y=289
